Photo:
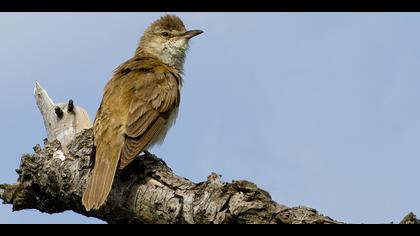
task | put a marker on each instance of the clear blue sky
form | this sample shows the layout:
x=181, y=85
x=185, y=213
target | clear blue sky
x=319, y=109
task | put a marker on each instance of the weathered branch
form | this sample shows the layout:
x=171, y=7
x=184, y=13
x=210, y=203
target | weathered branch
x=62, y=121
x=146, y=192
x=53, y=179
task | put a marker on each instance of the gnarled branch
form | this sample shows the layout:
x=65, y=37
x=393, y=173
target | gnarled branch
x=53, y=179
x=147, y=191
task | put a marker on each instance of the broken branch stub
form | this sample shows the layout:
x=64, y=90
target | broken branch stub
x=62, y=121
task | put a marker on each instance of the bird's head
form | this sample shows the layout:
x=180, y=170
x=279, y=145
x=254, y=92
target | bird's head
x=167, y=39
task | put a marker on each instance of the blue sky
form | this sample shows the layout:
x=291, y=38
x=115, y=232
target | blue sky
x=319, y=109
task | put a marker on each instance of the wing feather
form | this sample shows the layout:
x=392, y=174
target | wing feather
x=149, y=114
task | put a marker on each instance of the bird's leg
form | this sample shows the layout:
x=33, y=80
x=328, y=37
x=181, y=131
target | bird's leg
x=92, y=158
x=149, y=154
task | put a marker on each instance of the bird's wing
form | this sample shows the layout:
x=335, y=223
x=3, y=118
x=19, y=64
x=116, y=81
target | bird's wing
x=108, y=140
x=154, y=100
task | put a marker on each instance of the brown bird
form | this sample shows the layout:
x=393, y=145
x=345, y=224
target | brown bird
x=139, y=105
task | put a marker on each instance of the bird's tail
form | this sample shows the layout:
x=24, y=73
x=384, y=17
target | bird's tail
x=101, y=179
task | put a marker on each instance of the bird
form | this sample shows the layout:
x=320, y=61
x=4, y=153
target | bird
x=139, y=105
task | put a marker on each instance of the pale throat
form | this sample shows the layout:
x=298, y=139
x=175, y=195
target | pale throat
x=171, y=53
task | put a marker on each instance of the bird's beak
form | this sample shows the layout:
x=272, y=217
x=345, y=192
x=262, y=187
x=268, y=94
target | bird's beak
x=192, y=33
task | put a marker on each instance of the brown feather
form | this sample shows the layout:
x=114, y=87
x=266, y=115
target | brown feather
x=135, y=109
x=133, y=146
x=139, y=105
x=153, y=102
x=100, y=182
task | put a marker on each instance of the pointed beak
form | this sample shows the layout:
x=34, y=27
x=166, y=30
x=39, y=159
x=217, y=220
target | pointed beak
x=192, y=33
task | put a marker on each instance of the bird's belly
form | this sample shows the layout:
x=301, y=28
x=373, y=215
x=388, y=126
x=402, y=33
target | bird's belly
x=161, y=137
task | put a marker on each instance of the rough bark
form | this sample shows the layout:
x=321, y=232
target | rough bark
x=53, y=179
x=410, y=219
x=147, y=191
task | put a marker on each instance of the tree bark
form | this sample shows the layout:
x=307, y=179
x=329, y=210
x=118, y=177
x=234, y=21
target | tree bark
x=147, y=191
x=53, y=179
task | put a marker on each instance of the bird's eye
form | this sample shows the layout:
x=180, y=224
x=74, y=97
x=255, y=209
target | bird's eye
x=165, y=34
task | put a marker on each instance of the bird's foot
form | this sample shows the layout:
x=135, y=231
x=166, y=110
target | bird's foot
x=145, y=154
x=148, y=154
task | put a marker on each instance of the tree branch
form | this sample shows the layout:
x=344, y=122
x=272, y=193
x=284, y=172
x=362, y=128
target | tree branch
x=62, y=121
x=145, y=192
x=53, y=179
